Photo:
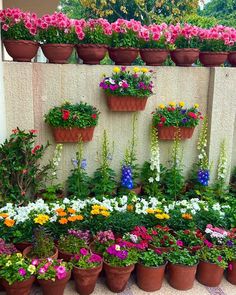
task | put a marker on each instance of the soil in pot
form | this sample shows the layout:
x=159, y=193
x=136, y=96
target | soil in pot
x=181, y=277
x=154, y=56
x=18, y=288
x=57, y=53
x=56, y=287
x=184, y=57
x=72, y=134
x=126, y=103
x=26, y=253
x=231, y=272
x=21, y=50
x=232, y=58
x=209, y=274
x=123, y=55
x=213, y=59
x=91, y=54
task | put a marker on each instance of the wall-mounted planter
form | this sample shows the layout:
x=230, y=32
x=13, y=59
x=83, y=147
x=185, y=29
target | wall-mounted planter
x=184, y=57
x=62, y=135
x=57, y=53
x=126, y=103
x=123, y=55
x=170, y=132
x=213, y=59
x=154, y=56
x=91, y=54
x=21, y=50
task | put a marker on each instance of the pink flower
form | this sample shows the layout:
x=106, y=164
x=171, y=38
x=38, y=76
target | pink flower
x=22, y=272
x=61, y=272
x=83, y=251
x=42, y=270
x=230, y=266
x=35, y=262
x=5, y=27
x=180, y=243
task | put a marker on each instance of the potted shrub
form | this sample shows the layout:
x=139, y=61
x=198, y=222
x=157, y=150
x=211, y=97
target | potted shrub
x=150, y=271
x=182, y=269
x=19, y=33
x=57, y=35
x=53, y=275
x=17, y=274
x=192, y=240
x=118, y=264
x=93, y=37
x=101, y=241
x=72, y=122
x=161, y=238
x=127, y=91
x=86, y=268
x=174, y=119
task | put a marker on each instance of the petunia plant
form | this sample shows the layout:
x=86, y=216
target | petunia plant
x=52, y=269
x=86, y=259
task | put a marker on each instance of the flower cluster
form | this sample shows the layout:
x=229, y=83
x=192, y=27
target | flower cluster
x=155, y=158
x=161, y=237
x=126, y=178
x=159, y=213
x=85, y=259
x=222, y=165
x=117, y=251
x=52, y=269
x=103, y=237
x=216, y=234
x=203, y=177
x=83, y=235
x=69, y=215
x=100, y=210
x=7, y=249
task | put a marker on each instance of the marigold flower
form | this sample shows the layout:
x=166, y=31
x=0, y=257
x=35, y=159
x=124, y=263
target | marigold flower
x=144, y=70
x=96, y=207
x=187, y=216
x=130, y=207
x=4, y=215
x=116, y=70
x=158, y=211
x=71, y=210
x=9, y=222
x=166, y=216
x=62, y=214
x=63, y=221
x=72, y=218
x=161, y=106
x=59, y=210
x=172, y=104
x=79, y=217
x=150, y=211
x=196, y=105
x=136, y=69
x=105, y=213
x=41, y=219
x=159, y=216
x=181, y=104
x=95, y=212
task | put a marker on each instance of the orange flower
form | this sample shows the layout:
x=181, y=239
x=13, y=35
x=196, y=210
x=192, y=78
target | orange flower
x=79, y=217
x=62, y=214
x=71, y=210
x=9, y=222
x=63, y=221
x=72, y=218
x=4, y=215
x=59, y=210
x=130, y=207
x=187, y=216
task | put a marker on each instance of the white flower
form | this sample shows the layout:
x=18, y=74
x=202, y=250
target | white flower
x=151, y=179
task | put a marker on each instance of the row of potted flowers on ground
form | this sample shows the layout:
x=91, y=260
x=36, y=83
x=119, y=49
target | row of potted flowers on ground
x=58, y=34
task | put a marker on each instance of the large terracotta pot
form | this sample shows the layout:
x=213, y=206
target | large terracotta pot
x=181, y=277
x=21, y=50
x=27, y=251
x=213, y=59
x=73, y=134
x=150, y=279
x=169, y=132
x=184, y=57
x=18, y=288
x=123, y=55
x=56, y=287
x=85, y=279
x=126, y=103
x=232, y=58
x=231, y=273
x=21, y=246
x=154, y=56
x=91, y=54
x=57, y=53
x=209, y=274
x=117, y=277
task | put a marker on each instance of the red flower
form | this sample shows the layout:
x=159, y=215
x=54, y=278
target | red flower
x=186, y=232
x=24, y=171
x=154, y=232
x=192, y=115
x=65, y=115
x=33, y=131
x=35, y=149
x=160, y=124
x=94, y=116
x=23, y=193
x=163, y=119
x=169, y=109
x=14, y=131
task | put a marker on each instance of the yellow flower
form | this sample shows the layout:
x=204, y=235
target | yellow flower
x=19, y=255
x=150, y=211
x=159, y=216
x=4, y=215
x=172, y=104
x=130, y=207
x=136, y=69
x=31, y=268
x=166, y=216
x=144, y=70
x=103, y=208
x=158, y=211
x=41, y=219
x=187, y=216
x=9, y=222
x=95, y=212
x=105, y=213
x=161, y=106
x=96, y=207
x=181, y=104
x=116, y=70
x=196, y=105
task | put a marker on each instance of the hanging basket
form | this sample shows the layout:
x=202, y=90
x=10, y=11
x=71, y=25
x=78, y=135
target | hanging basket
x=126, y=103
x=72, y=134
x=170, y=132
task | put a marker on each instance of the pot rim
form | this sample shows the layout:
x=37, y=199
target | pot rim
x=154, y=49
x=124, y=48
x=186, y=49
x=75, y=127
x=183, y=265
x=20, y=41
x=118, y=267
x=30, y=248
x=95, y=45
x=204, y=261
x=57, y=45
x=214, y=52
x=153, y=267
x=127, y=96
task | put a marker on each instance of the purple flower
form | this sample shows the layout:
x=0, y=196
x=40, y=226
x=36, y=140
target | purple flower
x=75, y=163
x=229, y=243
x=83, y=164
x=104, y=236
x=83, y=251
x=123, y=69
x=95, y=258
x=114, y=87
x=22, y=272
x=42, y=270
x=183, y=111
x=184, y=120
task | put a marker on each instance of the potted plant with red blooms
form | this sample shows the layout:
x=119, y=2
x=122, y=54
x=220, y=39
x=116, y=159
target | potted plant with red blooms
x=162, y=240
x=86, y=269
x=57, y=35
x=19, y=33
x=93, y=38
x=128, y=91
x=72, y=122
x=53, y=275
x=175, y=119
x=101, y=241
x=136, y=239
x=192, y=240
x=119, y=262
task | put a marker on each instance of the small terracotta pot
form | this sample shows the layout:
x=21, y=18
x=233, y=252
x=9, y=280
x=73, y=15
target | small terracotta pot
x=57, y=53
x=56, y=287
x=117, y=277
x=91, y=54
x=231, y=273
x=232, y=58
x=85, y=279
x=123, y=55
x=154, y=56
x=184, y=57
x=19, y=288
x=21, y=246
x=27, y=251
x=72, y=134
x=150, y=279
x=137, y=190
x=126, y=103
x=169, y=132
x=181, y=277
x=209, y=274
x=213, y=59
x=21, y=50
x=161, y=249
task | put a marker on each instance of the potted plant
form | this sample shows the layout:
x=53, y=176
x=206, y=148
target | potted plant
x=17, y=274
x=118, y=264
x=123, y=48
x=127, y=91
x=161, y=238
x=7, y=249
x=150, y=271
x=101, y=241
x=232, y=51
x=93, y=37
x=86, y=268
x=231, y=255
x=189, y=239
x=72, y=122
x=53, y=275
x=19, y=33
x=182, y=269
x=174, y=119
x=57, y=35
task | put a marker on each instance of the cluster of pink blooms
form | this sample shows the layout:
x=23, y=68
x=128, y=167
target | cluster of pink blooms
x=218, y=233
x=57, y=20
x=104, y=236
x=61, y=271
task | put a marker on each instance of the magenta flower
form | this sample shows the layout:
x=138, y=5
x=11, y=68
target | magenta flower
x=60, y=272
x=95, y=258
x=220, y=258
x=230, y=266
x=83, y=251
x=180, y=243
x=42, y=270
x=22, y=272
x=35, y=262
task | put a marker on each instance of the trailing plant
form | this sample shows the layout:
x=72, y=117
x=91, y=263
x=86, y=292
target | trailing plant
x=86, y=259
x=183, y=257
x=52, y=269
x=151, y=259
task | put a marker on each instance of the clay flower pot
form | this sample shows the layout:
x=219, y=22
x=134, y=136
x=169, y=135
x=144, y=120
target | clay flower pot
x=154, y=56
x=91, y=54
x=123, y=55
x=126, y=103
x=72, y=134
x=21, y=50
x=213, y=59
x=85, y=279
x=150, y=279
x=21, y=246
x=137, y=190
x=27, y=251
x=57, y=53
x=117, y=277
x=184, y=57
x=209, y=274
x=169, y=132
x=19, y=288
x=56, y=287
x=231, y=273
x=232, y=58
x=181, y=277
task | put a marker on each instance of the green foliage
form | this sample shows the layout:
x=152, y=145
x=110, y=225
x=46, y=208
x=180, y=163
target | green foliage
x=129, y=39
x=22, y=232
x=161, y=237
x=56, y=35
x=71, y=244
x=43, y=244
x=189, y=238
x=177, y=222
x=18, y=32
x=51, y=270
x=151, y=259
x=213, y=45
x=201, y=21
x=214, y=255
x=183, y=257
x=95, y=36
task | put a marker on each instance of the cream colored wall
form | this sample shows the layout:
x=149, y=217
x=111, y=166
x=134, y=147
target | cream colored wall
x=31, y=89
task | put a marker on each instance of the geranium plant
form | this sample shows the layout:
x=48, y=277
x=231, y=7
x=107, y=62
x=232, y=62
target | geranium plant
x=183, y=257
x=150, y=258
x=161, y=237
x=52, y=269
x=85, y=259
x=190, y=239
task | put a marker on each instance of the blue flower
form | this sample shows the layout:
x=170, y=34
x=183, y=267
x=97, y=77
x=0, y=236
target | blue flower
x=203, y=177
x=127, y=178
x=75, y=163
x=83, y=164
x=185, y=120
x=183, y=111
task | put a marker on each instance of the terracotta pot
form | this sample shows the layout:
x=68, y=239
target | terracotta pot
x=184, y=57
x=232, y=58
x=21, y=246
x=150, y=279
x=231, y=273
x=137, y=190
x=91, y=54
x=169, y=132
x=27, y=251
x=117, y=277
x=154, y=56
x=73, y=134
x=209, y=274
x=57, y=53
x=126, y=103
x=56, y=287
x=213, y=59
x=19, y=288
x=21, y=50
x=85, y=279
x=162, y=249
x=123, y=55
x=65, y=256
x=181, y=277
